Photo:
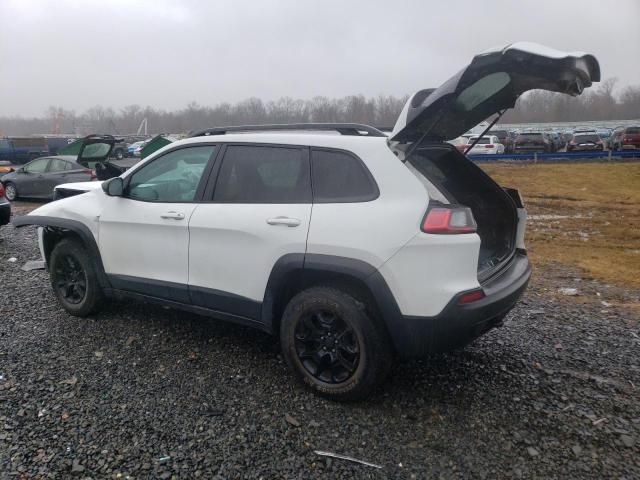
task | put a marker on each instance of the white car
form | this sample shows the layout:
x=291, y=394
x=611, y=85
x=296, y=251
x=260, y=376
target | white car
x=353, y=248
x=488, y=144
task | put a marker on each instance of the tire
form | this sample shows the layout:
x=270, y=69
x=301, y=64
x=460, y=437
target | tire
x=74, y=278
x=10, y=191
x=321, y=329
x=119, y=154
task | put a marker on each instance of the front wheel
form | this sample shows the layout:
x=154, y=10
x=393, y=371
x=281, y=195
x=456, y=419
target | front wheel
x=10, y=191
x=74, y=278
x=335, y=347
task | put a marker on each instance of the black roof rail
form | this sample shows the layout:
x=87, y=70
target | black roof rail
x=355, y=129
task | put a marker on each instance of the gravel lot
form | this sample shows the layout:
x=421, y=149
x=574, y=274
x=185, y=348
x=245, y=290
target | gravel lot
x=145, y=392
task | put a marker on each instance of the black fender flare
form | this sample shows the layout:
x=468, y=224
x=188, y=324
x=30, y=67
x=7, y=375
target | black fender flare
x=79, y=229
x=300, y=267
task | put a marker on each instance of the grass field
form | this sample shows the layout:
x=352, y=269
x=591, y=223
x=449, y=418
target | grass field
x=581, y=214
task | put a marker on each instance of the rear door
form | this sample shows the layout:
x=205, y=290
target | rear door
x=62, y=171
x=258, y=211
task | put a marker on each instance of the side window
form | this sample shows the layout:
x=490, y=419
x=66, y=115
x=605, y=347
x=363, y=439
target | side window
x=257, y=174
x=173, y=177
x=37, y=166
x=339, y=177
x=58, y=165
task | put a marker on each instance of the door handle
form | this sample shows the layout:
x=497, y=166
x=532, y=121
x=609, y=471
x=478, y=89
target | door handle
x=287, y=221
x=173, y=215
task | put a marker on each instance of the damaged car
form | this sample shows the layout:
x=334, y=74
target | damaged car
x=354, y=248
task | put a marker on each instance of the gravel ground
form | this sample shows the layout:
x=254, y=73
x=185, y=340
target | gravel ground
x=140, y=391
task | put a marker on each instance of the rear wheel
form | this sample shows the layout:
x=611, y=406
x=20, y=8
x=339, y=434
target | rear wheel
x=74, y=278
x=10, y=191
x=333, y=345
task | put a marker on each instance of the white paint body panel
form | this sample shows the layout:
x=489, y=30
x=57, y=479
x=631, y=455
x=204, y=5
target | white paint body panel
x=429, y=270
x=371, y=231
x=233, y=248
x=134, y=240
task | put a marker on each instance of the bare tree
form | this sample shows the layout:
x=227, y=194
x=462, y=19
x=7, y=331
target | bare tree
x=600, y=103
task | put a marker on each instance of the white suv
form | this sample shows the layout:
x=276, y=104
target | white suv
x=353, y=246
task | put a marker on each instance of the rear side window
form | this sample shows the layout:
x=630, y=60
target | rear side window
x=260, y=174
x=339, y=177
x=58, y=165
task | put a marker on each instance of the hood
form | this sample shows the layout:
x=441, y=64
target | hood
x=491, y=83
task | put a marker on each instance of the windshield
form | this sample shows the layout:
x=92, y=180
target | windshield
x=633, y=130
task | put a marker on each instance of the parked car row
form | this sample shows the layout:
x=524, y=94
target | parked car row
x=549, y=141
x=20, y=150
x=39, y=177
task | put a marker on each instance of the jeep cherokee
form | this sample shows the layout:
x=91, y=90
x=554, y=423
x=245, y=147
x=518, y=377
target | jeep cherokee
x=353, y=246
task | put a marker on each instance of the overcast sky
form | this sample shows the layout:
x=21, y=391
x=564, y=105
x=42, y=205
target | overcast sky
x=166, y=53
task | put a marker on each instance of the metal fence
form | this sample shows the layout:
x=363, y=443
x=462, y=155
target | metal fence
x=535, y=156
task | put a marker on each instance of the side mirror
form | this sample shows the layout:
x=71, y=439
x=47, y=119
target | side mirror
x=114, y=187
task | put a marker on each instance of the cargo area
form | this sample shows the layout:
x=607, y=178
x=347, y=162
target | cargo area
x=457, y=180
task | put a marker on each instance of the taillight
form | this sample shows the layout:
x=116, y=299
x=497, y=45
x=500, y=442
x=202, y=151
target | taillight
x=1, y=190
x=471, y=296
x=489, y=145
x=92, y=173
x=445, y=219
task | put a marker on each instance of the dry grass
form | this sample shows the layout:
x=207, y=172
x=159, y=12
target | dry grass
x=590, y=215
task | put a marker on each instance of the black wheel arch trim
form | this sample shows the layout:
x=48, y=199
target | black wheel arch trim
x=78, y=228
x=299, y=267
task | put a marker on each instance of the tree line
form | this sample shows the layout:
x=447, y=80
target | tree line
x=600, y=103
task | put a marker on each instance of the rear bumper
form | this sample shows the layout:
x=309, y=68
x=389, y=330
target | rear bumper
x=5, y=211
x=457, y=325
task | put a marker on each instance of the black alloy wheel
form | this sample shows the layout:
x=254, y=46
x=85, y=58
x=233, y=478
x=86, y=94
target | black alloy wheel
x=71, y=280
x=335, y=343
x=74, y=278
x=327, y=346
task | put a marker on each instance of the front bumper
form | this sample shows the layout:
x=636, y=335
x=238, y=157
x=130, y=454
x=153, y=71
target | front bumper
x=5, y=211
x=458, y=325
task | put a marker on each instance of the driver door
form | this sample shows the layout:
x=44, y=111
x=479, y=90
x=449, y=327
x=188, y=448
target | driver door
x=144, y=235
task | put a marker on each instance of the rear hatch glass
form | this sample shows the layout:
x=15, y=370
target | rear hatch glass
x=587, y=138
